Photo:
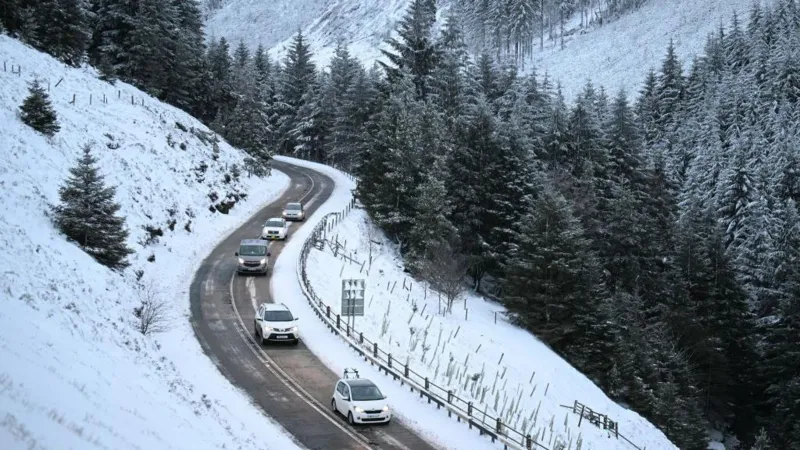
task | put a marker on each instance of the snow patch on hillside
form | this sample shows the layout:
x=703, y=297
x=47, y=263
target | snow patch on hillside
x=75, y=373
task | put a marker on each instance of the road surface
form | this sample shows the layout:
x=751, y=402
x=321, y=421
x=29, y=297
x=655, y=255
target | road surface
x=289, y=383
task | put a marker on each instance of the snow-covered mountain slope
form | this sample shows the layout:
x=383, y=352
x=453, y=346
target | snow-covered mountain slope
x=619, y=54
x=362, y=24
x=74, y=371
x=616, y=55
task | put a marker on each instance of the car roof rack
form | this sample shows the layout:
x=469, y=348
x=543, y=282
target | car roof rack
x=348, y=374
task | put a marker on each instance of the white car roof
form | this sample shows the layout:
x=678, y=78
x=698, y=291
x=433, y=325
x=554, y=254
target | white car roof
x=275, y=307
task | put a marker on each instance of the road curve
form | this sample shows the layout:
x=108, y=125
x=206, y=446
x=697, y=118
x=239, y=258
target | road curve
x=289, y=383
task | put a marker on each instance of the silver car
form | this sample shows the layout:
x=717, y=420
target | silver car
x=294, y=211
x=253, y=256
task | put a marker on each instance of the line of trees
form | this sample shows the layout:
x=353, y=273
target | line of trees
x=517, y=27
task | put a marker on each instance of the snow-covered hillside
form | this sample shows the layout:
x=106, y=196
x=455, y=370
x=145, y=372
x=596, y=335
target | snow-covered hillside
x=616, y=55
x=75, y=372
x=619, y=54
x=473, y=350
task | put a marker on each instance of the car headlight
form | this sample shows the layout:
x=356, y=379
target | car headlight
x=359, y=409
x=241, y=261
x=293, y=329
x=386, y=408
x=264, y=261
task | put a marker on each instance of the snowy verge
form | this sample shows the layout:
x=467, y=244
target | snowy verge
x=75, y=372
x=472, y=351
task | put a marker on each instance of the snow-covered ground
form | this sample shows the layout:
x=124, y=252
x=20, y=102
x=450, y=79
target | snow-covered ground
x=74, y=372
x=616, y=55
x=494, y=364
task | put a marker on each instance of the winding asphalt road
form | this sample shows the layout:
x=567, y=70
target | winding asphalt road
x=289, y=383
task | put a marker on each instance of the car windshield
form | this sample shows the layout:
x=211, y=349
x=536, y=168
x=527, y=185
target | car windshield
x=278, y=316
x=293, y=207
x=274, y=223
x=252, y=250
x=366, y=393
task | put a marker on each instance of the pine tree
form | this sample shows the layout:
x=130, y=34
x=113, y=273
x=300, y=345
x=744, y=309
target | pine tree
x=762, y=442
x=552, y=278
x=298, y=79
x=87, y=214
x=10, y=16
x=392, y=161
x=61, y=29
x=475, y=145
x=340, y=98
x=414, y=51
x=189, y=81
x=37, y=112
x=431, y=209
x=222, y=98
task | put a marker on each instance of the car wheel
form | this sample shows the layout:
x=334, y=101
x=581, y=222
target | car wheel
x=333, y=406
x=350, y=419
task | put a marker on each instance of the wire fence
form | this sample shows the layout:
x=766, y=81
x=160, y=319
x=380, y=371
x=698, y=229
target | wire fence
x=91, y=99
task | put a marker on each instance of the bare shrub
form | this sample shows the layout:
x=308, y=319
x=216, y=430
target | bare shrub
x=153, y=312
x=445, y=269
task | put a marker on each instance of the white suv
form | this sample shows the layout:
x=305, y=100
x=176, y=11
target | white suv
x=360, y=400
x=275, y=228
x=274, y=322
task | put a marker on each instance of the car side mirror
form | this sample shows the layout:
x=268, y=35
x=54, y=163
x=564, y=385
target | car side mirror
x=258, y=319
x=347, y=399
x=296, y=318
x=236, y=254
x=269, y=254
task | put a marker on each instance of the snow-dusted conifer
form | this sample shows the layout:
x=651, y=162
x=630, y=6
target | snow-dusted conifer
x=88, y=216
x=37, y=112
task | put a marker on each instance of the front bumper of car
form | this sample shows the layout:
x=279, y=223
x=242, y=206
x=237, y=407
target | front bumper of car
x=281, y=334
x=272, y=237
x=371, y=416
x=252, y=266
x=294, y=217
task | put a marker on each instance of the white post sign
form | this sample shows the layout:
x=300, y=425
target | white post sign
x=353, y=297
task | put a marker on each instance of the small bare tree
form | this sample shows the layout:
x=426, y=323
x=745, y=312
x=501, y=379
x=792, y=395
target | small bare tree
x=445, y=269
x=153, y=313
x=368, y=231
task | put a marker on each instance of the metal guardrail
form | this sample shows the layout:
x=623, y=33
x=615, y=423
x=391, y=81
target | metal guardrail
x=492, y=427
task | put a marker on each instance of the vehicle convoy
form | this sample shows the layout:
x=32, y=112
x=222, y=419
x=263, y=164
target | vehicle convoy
x=253, y=256
x=294, y=211
x=275, y=228
x=360, y=400
x=275, y=322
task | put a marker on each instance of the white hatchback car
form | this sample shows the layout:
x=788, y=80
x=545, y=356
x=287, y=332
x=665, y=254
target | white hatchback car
x=274, y=322
x=275, y=228
x=360, y=400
